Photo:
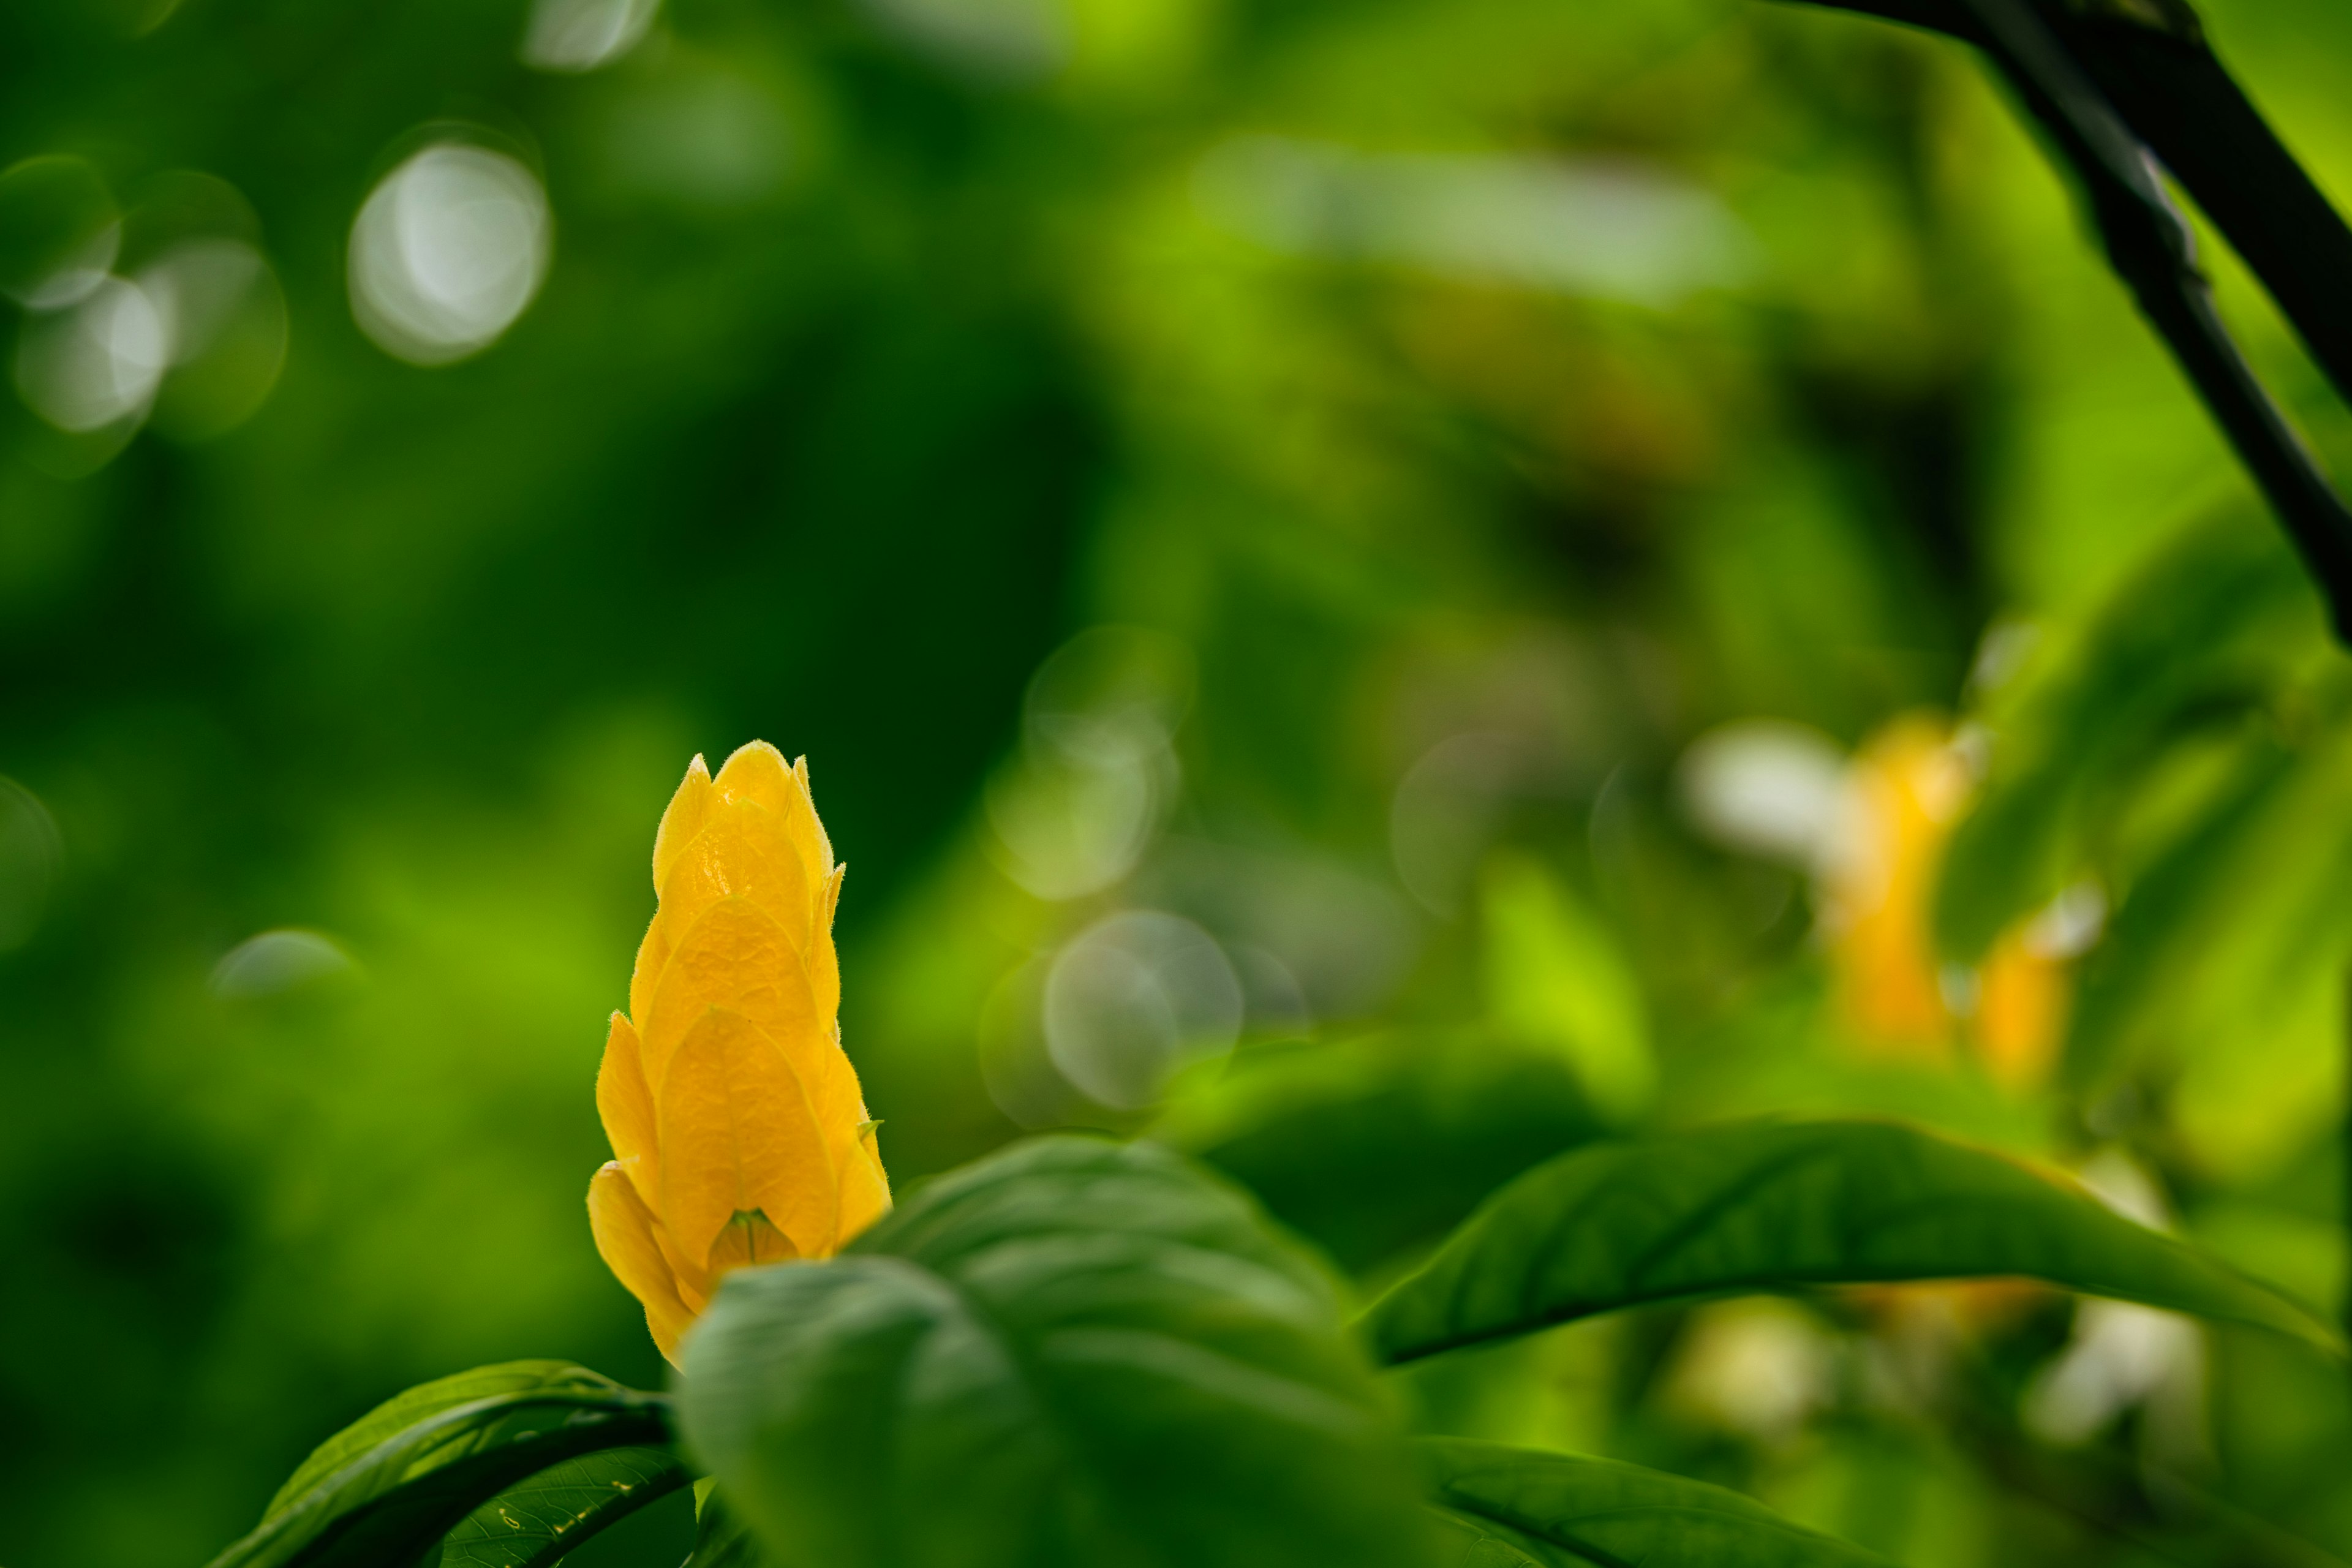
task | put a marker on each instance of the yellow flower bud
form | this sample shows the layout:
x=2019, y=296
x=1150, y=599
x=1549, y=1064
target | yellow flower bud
x=739, y=1131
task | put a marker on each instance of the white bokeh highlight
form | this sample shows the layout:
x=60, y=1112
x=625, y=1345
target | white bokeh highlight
x=1767, y=787
x=277, y=961
x=98, y=362
x=575, y=35
x=447, y=252
x=1133, y=999
x=1600, y=228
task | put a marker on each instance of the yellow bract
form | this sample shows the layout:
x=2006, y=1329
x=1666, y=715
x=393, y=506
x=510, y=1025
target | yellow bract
x=738, y=1129
x=1910, y=790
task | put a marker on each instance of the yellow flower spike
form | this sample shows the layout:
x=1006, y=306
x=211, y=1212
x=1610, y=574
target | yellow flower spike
x=739, y=1130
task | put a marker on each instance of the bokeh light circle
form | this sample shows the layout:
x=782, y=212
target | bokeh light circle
x=447, y=251
x=1132, y=999
x=99, y=363
x=575, y=36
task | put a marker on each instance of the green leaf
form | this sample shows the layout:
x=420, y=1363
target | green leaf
x=1770, y=1206
x=1511, y=1506
x=406, y=1409
x=2222, y=975
x=532, y=1524
x=381, y=1493
x=2209, y=632
x=722, y=1539
x=1371, y=1146
x=1072, y=1353
x=2193, y=898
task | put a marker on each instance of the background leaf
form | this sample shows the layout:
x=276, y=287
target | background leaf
x=1765, y=1206
x=1075, y=1351
x=1373, y=1145
x=411, y=1471
x=1524, y=1506
x=533, y=1524
x=722, y=1539
x=2191, y=647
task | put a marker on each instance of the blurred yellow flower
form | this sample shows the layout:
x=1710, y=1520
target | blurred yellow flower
x=2023, y=993
x=739, y=1131
x=1909, y=788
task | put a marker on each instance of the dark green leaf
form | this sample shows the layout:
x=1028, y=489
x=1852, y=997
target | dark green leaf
x=722, y=1539
x=1770, y=1205
x=405, y=1410
x=2208, y=633
x=2227, y=957
x=532, y=1524
x=1075, y=1351
x=1522, y=1507
x=380, y=1493
x=1375, y=1145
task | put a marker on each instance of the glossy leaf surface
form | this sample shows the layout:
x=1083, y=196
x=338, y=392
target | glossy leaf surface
x=385, y=1488
x=1767, y=1205
x=535, y=1522
x=1075, y=1351
x=1524, y=1507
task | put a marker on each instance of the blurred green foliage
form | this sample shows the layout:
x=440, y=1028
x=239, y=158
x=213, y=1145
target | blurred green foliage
x=1461, y=410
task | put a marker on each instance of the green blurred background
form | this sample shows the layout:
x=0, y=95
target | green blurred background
x=1306, y=485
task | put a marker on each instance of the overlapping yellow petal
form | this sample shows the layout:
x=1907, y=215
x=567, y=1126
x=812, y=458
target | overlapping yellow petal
x=740, y=1135
x=626, y=1107
x=624, y=1228
x=743, y=851
x=738, y=1129
x=682, y=820
x=737, y=956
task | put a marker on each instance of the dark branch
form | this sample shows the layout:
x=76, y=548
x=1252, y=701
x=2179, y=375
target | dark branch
x=2119, y=84
x=2176, y=96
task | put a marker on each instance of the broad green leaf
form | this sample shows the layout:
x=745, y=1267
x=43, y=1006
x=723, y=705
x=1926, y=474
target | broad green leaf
x=1768, y=1206
x=2223, y=971
x=382, y=1491
x=2175, y=903
x=2208, y=633
x=1522, y=1507
x=534, y=1522
x=405, y=1410
x=1072, y=1353
x=722, y=1539
x=1371, y=1146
